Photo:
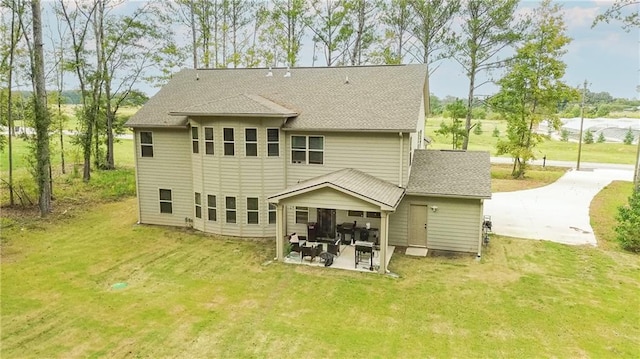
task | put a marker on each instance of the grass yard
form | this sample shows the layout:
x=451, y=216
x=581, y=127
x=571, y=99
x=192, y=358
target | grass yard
x=604, y=208
x=535, y=176
x=554, y=150
x=191, y=295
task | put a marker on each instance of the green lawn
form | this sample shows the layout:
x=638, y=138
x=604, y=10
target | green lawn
x=535, y=176
x=193, y=295
x=554, y=150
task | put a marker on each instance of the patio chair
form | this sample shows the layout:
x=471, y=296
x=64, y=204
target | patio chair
x=309, y=252
x=334, y=248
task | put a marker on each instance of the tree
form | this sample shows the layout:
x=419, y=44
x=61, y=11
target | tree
x=398, y=18
x=588, y=136
x=363, y=14
x=42, y=120
x=496, y=132
x=625, y=11
x=330, y=29
x=532, y=87
x=477, y=130
x=601, y=138
x=289, y=19
x=488, y=27
x=628, y=137
x=628, y=228
x=8, y=59
x=564, y=135
x=455, y=111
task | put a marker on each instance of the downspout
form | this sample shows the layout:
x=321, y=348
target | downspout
x=401, y=159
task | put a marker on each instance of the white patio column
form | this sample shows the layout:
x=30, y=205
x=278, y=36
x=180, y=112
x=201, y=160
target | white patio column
x=280, y=231
x=384, y=241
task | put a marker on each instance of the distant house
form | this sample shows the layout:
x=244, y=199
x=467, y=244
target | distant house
x=263, y=153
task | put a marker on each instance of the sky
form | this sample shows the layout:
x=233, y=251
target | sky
x=606, y=56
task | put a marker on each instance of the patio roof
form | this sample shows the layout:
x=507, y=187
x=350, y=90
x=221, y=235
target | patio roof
x=351, y=182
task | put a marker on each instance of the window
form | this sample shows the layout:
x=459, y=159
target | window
x=373, y=214
x=231, y=209
x=166, y=205
x=313, y=146
x=198, y=201
x=194, y=139
x=316, y=150
x=252, y=210
x=302, y=215
x=229, y=146
x=251, y=142
x=298, y=149
x=208, y=140
x=355, y=214
x=273, y=142
x=272, y=213
x=420, y=139
x=211, y=208
x=146, y=144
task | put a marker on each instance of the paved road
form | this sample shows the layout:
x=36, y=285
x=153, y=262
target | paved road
x=558, y=212
x=569, y=164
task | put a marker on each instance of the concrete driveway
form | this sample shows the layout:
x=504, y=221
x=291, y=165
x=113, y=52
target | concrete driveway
x=558, y=212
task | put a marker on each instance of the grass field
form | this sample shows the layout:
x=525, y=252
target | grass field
x=536, y=176
x=554, y=150
x=192, y=295
x=604, y=208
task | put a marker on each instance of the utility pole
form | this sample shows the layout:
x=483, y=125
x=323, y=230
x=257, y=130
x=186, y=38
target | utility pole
x=584, y=93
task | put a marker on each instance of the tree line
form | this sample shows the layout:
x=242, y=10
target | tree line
x=109, y=46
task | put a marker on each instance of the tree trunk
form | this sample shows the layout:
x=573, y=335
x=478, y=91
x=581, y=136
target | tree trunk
x=472, y=84
x=42, y=119
x=12, y=50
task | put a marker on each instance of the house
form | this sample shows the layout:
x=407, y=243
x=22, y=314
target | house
x=266, y=152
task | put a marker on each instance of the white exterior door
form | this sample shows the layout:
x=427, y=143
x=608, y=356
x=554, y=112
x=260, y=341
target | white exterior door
x=418, y=225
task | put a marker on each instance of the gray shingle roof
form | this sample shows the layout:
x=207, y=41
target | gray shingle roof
x=351, y=181
x=375, y=98
x=239, y=105
x=450, y=173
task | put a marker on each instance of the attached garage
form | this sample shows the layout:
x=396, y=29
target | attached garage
x=443, y=205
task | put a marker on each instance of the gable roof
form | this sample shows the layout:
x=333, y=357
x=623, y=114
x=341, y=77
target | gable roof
x=450, y=174
x=240, y=105
x=352, y=182
x=371, y=98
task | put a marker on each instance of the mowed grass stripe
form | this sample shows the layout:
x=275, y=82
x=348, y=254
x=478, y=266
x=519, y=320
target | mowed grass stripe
x=193, y=295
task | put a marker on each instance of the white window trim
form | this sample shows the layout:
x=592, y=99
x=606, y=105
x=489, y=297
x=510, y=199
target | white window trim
x=225, y=142
x=147, y=144
x=215, y=208
x=212, y=140
x=256, y=211
x=273, y=142
x=197, y=205
x=165, y=201
x=252, y=142
x=227, y=210
x=302, y=210
x=195, y=140
x=307, y=150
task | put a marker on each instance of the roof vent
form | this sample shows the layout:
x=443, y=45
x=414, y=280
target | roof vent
x=346, y=80
x=288, y=74
x=270, y=73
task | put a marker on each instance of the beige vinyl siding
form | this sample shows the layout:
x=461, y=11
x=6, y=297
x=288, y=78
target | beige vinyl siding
x=323, y=198
x=455, y=226
x=240, y=176
x=169, y=168
x=377, y=154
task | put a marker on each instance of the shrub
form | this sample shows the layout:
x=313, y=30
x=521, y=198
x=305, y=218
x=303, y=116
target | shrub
x=496, y=132
x=588, y=137
x=601, y=138
x=628, y=137
x=564, y=135
x=477, y=130
x=628, y=228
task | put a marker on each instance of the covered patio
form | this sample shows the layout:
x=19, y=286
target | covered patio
x=335, y=196
x=346, y=260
